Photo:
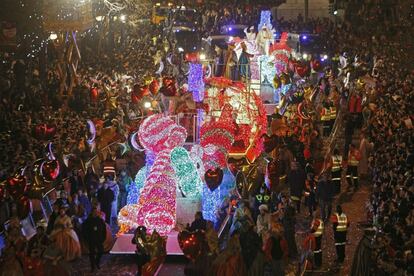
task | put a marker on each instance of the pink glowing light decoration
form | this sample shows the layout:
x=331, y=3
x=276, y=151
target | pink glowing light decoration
x=217, y=137
x=157, y=202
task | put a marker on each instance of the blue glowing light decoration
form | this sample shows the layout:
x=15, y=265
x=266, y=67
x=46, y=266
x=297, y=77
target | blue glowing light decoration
x=276, y=95
x=149, y=159
x=227, y=184
x=196, y=81
x=304, y=37
x=136, y=187
x=267, y=69
x=210, y=202
x=265, y=19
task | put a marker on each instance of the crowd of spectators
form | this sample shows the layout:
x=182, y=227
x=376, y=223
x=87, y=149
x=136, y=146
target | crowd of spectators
x=391, y=203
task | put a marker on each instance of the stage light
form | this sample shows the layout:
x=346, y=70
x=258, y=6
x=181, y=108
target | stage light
x=230, y=29
x=325, y=56
x=304, y=37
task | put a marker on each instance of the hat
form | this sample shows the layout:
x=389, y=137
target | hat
x=263, y=207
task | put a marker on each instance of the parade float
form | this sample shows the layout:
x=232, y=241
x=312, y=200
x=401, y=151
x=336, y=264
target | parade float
x=178, y=178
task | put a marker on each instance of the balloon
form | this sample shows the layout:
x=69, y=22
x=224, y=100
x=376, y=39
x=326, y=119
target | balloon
x=94, y=94
x=154, y=87
x=276, y=82
x=191, y=57
x=213, y=178
x=23, y=207
x=307, y=153
x=139, y=91
x=302, y=70
x=284, y=79
x=17, y=184
x=160, y=68
x=44, y=132
x=50, y=170
x=292, y=65
x=168, y=87
x=49, y=151
x=92, y=131
x=135, y=142
x=191, y=244
x=316, y=65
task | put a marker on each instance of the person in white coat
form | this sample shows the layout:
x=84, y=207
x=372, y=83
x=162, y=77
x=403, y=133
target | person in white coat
x=264, y=38
x=250, y=34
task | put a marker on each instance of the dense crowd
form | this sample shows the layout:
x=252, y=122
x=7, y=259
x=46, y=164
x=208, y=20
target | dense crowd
x=391, y=204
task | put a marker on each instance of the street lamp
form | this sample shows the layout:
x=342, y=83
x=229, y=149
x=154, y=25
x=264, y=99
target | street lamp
x=53, y=36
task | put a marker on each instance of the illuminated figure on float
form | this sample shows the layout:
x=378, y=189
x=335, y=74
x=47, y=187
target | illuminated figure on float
x=265, y=36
